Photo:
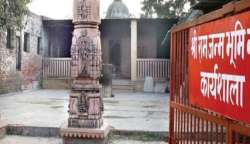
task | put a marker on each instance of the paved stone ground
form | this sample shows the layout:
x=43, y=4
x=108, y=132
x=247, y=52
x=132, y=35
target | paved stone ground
x=48, y=108
x=29, y=140
x=38, y=140
x=135, y=142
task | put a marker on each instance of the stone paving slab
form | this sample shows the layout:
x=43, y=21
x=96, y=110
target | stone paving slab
x=135, y=142
x=48, y=108
x=29, y=140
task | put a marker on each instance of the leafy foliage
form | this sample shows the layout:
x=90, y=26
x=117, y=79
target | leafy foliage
x=12, y=13
x=164, y=8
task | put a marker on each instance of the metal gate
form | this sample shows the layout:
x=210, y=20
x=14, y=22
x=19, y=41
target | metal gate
x=190, y=124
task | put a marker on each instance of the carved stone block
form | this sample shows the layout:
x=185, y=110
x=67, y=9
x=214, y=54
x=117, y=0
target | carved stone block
x=86, y=53
x=86, y=12
x=85, y=123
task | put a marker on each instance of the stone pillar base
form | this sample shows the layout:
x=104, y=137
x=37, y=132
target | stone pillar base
x=3, y=126
x=85, y=136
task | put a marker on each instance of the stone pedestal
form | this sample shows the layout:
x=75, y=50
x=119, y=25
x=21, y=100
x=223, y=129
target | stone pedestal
x=85, y=123
x=149, y=84
x=87, y=136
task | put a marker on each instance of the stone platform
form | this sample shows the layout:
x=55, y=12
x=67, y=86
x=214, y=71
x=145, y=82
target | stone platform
x=39, y=140
x=48, y=109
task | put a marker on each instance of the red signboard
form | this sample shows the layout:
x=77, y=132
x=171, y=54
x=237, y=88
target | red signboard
x=219, y=66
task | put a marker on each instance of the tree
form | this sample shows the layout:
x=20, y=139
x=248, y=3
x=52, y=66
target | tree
x=164, y=8
x=12, y=13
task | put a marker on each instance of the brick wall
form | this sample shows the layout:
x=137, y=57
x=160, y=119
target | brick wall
x=9, y=78
x=31, y=66
x=29, y=77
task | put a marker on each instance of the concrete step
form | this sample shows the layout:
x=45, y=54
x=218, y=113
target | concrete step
x=123, y=88
x=122, y=82
x=3, y=127
x=17, y=134
x=39, y=140
x=127, y=85
x=32, y=131
x=12, y=139
x=56, y=83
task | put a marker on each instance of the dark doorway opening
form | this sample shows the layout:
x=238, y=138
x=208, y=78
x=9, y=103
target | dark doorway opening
x=19, y=53
x=115, y=56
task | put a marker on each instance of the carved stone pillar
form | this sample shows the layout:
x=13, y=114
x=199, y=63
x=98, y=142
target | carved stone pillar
x=85, y=103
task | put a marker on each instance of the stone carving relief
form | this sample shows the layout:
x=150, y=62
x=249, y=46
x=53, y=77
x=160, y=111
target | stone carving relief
x=73, y=106
x=86, y=104
x=83, y=10
x=85, y=109
x=87, y=52
x=94, y=111
x=83, y=103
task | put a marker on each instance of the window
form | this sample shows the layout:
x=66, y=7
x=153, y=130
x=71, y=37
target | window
x=26, y=42
x=39, y=40
x=18, y=57
x=10, y=40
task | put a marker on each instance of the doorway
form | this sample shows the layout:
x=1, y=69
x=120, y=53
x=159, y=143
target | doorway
x=19, y=51
x=115, y=56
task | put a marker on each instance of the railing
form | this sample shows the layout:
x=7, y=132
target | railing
x=191, y=123
x=56, y=68
x=159, y=69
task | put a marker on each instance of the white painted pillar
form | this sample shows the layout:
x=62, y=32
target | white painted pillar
x=133, y=49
